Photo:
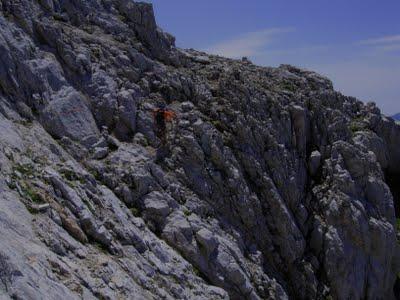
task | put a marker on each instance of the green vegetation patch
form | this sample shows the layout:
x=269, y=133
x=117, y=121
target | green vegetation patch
x=32, y=194
x=197, y=272
x=26, y=170
x=135, y=211
x=71, y=176
x=96, y=174
x=187, y=212
x=358, y=125
x=288, y=86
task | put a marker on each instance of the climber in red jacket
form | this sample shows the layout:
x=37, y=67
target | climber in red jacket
x=161, y=116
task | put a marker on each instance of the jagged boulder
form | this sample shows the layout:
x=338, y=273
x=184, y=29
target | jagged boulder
x=67, y=115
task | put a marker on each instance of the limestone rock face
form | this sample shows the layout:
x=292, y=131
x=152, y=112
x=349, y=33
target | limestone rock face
x=271, y=186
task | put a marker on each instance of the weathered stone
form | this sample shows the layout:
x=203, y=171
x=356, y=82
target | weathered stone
x=272, y=184
x=207, y=240
x=156, y=208
x=72, y=227
x=314, y=162
x=100, y=153
x=68, y=115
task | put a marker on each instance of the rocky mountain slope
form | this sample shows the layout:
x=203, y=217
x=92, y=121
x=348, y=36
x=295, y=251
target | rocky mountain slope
x=274, y=187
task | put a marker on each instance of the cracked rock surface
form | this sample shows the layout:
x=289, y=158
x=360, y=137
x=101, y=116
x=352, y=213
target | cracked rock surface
x=274, y=185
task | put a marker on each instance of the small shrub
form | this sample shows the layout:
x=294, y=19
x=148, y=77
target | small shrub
x=11, y=183
x=69, y=174
x=135, y=211
x=102, y=248
x=26, y=170
x=34, y=196
x=288, y=86
x=196, y=271
x=398, y=224
x=96, y=175
x=122, y=18
x=24, y=122
x=30, y=192
x=187, y=212
x=357, y=124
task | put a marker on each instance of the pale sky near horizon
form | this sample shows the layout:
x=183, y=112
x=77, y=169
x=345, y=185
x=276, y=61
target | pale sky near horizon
x=356, y=43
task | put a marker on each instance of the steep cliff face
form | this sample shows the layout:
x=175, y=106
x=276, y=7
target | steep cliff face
x=272, y=185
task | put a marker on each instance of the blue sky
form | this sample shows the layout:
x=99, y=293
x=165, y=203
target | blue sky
x=355, y=43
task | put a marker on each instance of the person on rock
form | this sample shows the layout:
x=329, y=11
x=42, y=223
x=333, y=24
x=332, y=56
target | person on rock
x=162, y=115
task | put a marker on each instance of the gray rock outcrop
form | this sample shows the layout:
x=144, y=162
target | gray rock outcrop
x=273, y=186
